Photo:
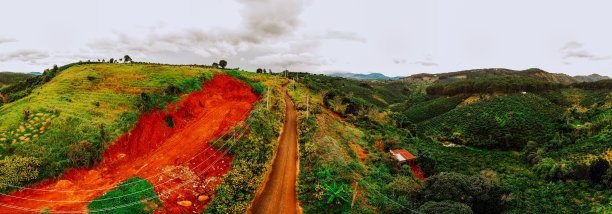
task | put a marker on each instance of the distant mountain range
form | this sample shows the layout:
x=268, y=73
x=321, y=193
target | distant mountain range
x=494, y=72
x=363, y=76
x=479, y=73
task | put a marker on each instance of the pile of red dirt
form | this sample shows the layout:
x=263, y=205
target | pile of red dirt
x=165, y=156
x=417, y=172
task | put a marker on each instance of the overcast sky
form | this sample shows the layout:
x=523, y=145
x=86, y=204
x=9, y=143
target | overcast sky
x=393, y=37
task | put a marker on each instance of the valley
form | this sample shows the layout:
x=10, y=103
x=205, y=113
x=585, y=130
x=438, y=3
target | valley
x=139, y=137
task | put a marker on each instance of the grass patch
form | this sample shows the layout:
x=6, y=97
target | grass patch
x=135, y=195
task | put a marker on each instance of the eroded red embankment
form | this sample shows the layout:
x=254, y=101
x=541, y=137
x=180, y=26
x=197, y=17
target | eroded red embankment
x=417, y=171
x=154, y=151
x=3, y=99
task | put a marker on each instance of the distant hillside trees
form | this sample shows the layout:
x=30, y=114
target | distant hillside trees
x=601, y=84
x=509, y=84
x=505, y=84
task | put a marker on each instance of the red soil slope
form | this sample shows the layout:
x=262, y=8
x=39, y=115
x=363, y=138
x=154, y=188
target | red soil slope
x=3, y=99
x=417, y=171
x=156, y=152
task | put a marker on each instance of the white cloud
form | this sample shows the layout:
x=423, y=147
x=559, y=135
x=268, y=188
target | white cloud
x=7, y=40
x=575, y=49
x=389, y=37
x=29, y=56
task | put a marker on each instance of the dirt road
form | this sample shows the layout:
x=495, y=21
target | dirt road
x=279, y=192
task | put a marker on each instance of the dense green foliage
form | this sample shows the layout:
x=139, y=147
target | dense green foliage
x=513, y=153
x=483, y=195
x=135, y=195
x=502, y=122
x=379, y=94
x=427, y=110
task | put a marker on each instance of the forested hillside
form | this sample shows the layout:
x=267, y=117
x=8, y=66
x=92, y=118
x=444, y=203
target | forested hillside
x=492, y=144
x=8, y=78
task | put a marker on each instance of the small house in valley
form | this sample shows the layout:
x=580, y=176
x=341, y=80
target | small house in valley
x=403, y=156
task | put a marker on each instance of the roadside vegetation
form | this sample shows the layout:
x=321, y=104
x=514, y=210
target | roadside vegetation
x=254, y=151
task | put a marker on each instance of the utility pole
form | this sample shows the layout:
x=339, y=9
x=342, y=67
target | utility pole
x=307, y=106
x=354, y=194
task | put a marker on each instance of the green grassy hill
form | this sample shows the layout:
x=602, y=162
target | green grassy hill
x=93, y=103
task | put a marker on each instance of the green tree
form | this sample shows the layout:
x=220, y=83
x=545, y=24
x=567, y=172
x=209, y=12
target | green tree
x=127, y=58
x=223, y=63
x=259, y=71
x=448, y=207
x=598, y=169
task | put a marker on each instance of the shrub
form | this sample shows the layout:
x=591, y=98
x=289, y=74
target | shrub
x=17, y=171
x=82, y=154
x=403, y=185
x=550, y=170
x=448, y=207
x=169, y=120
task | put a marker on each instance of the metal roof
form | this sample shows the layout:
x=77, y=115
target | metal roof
x=402, y=154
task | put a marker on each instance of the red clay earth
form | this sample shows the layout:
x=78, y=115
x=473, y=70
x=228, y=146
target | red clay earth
x=417, y=172
x=156, y=152
x=3, y=99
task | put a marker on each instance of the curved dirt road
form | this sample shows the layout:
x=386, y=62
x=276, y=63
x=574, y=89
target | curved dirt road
x=3, y=99
x=279, y=192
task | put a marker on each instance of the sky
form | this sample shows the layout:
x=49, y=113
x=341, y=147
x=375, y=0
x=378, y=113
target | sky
x=393, y=37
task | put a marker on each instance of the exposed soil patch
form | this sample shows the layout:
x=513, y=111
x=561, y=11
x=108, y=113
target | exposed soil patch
x=165, y=156
x=363, y=157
